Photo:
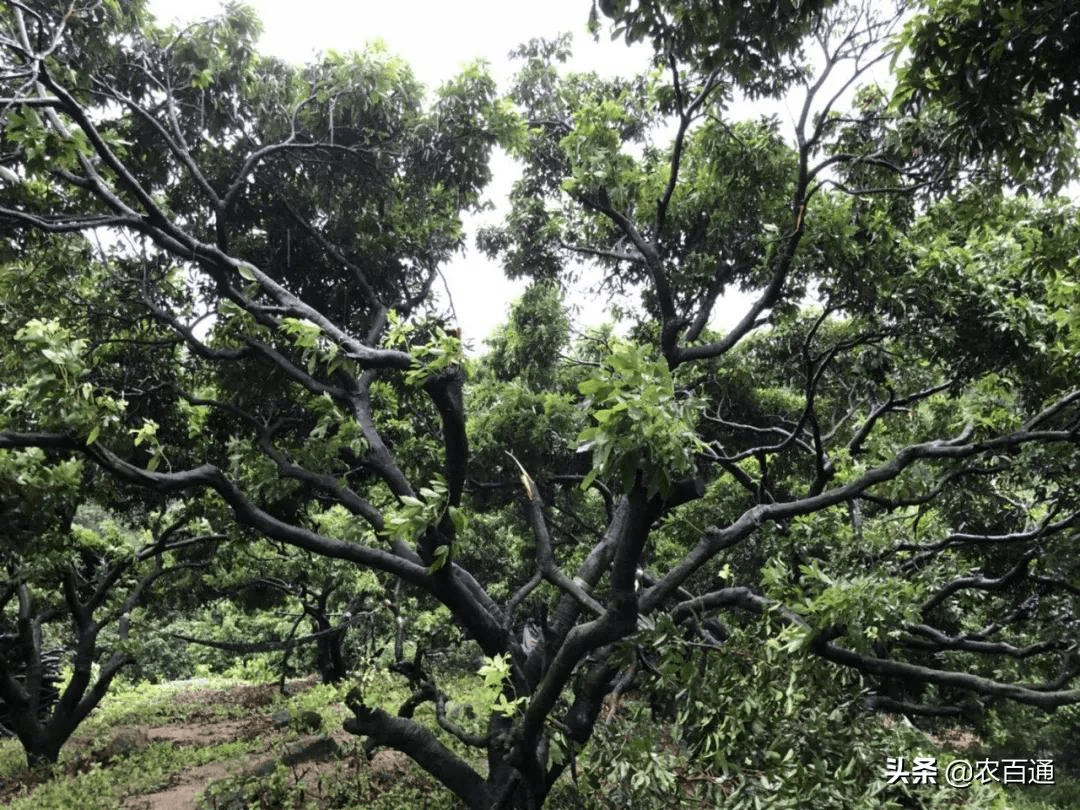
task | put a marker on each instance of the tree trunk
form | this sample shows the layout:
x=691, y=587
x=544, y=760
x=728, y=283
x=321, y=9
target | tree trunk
x=42, y=751
x=331, y=659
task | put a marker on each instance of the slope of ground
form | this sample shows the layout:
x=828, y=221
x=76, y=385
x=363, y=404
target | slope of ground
x=215, y=744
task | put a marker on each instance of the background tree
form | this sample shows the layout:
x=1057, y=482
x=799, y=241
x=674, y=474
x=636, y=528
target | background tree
x=866, y=472
x=1003, y=71
x=69, y=591
x=295, y=605
x=73, y=575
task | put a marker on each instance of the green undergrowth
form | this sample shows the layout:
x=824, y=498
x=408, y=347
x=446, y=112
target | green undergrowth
x=12, y=758
x=104, y=786
x=83, y=778
x=349, y=785
x=144, y=704
x=151, y=704
x=632, y=761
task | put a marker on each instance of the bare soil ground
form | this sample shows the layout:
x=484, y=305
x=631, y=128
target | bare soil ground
x=203, y=725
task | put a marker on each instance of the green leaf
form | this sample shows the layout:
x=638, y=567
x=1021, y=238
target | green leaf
x=459, y=519
x=440, y=556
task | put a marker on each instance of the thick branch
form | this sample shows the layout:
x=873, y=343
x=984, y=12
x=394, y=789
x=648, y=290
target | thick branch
x=421, y=745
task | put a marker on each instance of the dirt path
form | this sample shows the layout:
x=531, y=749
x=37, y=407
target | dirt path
x=184, y=796
x=208, y=715
x=186, y=787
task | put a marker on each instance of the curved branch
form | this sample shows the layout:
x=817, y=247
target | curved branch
x=207, y=476
x=1013, y=575
x=421, y=745
x=935, y=640
x=957, y=448
x=1031, y=695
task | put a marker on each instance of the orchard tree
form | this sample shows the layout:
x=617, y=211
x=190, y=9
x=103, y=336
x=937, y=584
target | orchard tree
x=280, y=600
x=73, y=576
x=867, y=474
x=1003, y=75
x=72, y=580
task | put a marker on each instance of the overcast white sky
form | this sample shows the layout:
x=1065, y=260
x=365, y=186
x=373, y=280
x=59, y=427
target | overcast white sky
x=436, y=39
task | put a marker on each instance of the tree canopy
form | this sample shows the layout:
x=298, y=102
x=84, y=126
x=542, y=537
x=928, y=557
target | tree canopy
x=217, y=306
x=1004, y=71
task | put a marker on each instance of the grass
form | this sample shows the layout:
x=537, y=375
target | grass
x=82, y=780
x=150, y=704
x=104, y=788
x=348, y=786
